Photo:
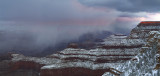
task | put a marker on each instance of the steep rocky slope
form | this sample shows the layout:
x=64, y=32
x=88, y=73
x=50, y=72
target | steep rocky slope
x=142, y=30
x=146, y=63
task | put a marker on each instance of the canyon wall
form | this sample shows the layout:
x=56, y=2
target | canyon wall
x=109, y=56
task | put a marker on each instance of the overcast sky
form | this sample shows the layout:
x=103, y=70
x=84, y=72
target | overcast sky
x=78, y=12
x=47, y=22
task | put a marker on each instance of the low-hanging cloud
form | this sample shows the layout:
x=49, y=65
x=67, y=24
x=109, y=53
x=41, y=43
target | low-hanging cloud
x=34, y=25
x=32, y=38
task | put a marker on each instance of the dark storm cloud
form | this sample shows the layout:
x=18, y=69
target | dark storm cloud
x=34, y=9
x=32, y=38
x=126, y=5
x=55, y=11
x=34, y=25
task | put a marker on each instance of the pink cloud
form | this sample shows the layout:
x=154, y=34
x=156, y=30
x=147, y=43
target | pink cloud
x=153, y=17
x=130, y=19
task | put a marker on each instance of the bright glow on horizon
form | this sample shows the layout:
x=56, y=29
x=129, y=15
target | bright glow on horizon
x=152, y=17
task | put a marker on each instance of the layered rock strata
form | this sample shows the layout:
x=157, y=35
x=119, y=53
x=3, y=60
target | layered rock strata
x=146, y=63
x=142, y=30
x=80, y=62
x=73, y=61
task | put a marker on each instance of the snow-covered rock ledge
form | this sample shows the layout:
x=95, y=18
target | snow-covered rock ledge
x=146, y=63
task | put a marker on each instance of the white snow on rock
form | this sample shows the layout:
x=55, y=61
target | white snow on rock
x=87, y=64
x=146, y=61
x=98, y=58
x=122, y=41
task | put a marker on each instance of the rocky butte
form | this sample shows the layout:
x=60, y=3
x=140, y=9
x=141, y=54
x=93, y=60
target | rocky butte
x=142, y=30
x=136, y=54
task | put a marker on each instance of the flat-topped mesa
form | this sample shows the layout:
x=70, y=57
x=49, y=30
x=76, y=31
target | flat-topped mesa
x=143, y=28
x=149, y=23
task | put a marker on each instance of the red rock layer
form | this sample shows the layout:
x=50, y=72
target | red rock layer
x=73, y=72
x=121, y=47
x=112, y=61
x=72, y=45
x=25, y=65
x=150, y=23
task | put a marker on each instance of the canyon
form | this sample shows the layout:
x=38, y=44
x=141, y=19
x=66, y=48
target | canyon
x=116, y=55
